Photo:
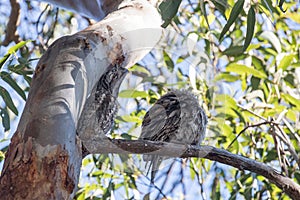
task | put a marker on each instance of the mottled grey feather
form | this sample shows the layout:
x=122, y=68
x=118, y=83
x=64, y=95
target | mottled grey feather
x=176, y=117
x=101, y=107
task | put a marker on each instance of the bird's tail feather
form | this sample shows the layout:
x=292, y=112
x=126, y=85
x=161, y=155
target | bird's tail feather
x=154, y=162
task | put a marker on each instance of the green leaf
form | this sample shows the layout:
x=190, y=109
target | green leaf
x=17, y=46
x=286, y=61
x=4, y=59
x=126, y=136
x=86, y=161
x=8, y=79
x=129, y=118
x=297, y=176
x=243, y=69
x=192, y=171
x=227, y=77
x=290, y=80
x=18, y=69
x=179, y=60
x=5, y=119
x=140, y=69
x=27, y=79
x=255, y=82
x=8, y=101
x=258, y=63
x=297, y=64
x=271, y=155
x=269, y=6
x=132, y=94
x=291, y=100
x=280, y=4
x=11, y=51
x=203, y=10
x=108, y=190
x=169, y=62
x=254, y=46
x=250, y=27
x=236, y=10
x=221, y=6
x=233, y=51
x=168, y=10
x=81, y=196
x=227, y=100
x=238, y=113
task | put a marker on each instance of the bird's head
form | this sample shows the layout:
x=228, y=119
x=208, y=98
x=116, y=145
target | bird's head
x=113, y=78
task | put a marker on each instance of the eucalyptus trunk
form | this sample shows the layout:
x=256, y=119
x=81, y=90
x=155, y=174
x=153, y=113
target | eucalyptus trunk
x=44, y=158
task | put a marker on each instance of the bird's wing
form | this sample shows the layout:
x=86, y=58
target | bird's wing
x=153, y=122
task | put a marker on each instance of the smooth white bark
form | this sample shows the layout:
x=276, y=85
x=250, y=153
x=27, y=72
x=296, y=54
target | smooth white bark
x=65, y=76
x=72, y=66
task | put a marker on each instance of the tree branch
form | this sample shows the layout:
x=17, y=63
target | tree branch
x=178, y=150
x=13, y=22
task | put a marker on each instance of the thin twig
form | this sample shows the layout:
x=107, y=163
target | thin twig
x=242, y=131
x=288, y=144
x=253, y=113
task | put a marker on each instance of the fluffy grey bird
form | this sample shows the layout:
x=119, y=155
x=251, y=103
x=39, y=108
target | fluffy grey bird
x=101, y=106
x=176, y=117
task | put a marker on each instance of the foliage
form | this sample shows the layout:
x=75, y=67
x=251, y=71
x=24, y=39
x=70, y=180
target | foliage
x=22, y=68
x=241, y=58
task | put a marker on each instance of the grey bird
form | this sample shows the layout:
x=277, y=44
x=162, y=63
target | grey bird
x=177, y=118
x=100, y=109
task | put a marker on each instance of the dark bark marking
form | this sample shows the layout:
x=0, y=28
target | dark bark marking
x=39, y=69
x=116, y=55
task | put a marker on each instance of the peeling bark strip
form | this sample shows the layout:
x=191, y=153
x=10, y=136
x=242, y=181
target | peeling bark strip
x=32, y=174
x=44, y=157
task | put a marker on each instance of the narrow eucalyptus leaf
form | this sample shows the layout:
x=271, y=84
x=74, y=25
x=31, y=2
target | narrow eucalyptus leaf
x=8, y=100
x=280, y=4
x=250, y=27
x=8, y=79
x=202, y=7
x=5, y=119
x=236, y=10
x=17, y=46
x=168, y=60
x=168, y=10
